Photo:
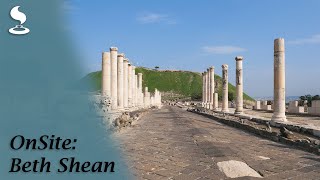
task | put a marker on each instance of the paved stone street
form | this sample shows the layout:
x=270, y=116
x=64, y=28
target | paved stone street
x=174, y=144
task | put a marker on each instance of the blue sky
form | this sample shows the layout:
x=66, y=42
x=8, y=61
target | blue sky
x=193, y=35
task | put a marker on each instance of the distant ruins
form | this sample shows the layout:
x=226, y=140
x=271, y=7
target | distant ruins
x=278, y=105
x=121, y=87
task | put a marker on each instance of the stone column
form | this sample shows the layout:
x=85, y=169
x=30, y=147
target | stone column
x=155, y=96
x=114, y=77
x=203, y=88
x=208, y=89
x=211, y=74
x=130, y=83
x=279, y=112
x=151, y=100
x=225, y=107
x=141, y=99
x=146, y=98
x=125, y=83
x=258, y=105
x=239, y=85
x=215, y=101
x=137, y=93
x=106, y=75
x=120, y=81
x=134, y=85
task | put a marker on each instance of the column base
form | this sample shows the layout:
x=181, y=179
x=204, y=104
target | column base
x=279, y=118
x=225, y=110
x=238, y=112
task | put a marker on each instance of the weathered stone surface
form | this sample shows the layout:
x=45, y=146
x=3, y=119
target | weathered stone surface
x=174, y=144
x=279, y=81
x=239, y=85
x=225, y=104
x=235, y=169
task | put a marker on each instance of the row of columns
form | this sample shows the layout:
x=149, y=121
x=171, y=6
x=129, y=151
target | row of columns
x=279, y=85
x=210, y=98
x=121, y=83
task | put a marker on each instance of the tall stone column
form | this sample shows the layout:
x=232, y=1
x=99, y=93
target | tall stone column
x=151, y=100
x=137, y=93
x=211, y=74
x=146, y=100
x=208, y=88
x=120, y=81
x=134, y=85
x=125, y=83
x=130, y=85
x=225, y=104
x=156, y=97
x=279, y=112
x=215, y=101
x=114, y=77
x=106, y=75
x=239, y=85
x=141, y=99
x=203, y=88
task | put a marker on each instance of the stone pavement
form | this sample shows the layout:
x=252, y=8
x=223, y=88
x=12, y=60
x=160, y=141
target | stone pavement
x=174, y=144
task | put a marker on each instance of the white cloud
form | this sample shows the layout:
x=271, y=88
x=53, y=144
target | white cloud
x=315, y=39
x=222, y=49
x=148, y=18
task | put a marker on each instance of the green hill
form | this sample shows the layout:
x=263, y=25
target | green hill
x=175, y=84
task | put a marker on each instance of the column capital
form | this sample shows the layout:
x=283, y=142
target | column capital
x=113, y=49
x=225, y=66
x=121, y=55
x=212, y=67
x=125, y=60
x=238, y=58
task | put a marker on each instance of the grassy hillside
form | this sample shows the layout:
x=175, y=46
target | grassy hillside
x=182, y=83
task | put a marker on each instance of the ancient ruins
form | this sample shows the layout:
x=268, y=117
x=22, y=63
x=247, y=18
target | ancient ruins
x=191, y=139
x=121, y=86
x=277, y=105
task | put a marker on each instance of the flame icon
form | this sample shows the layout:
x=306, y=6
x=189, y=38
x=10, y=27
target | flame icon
x=19, y=16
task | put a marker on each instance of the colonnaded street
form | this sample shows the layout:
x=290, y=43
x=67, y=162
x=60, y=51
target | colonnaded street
x=171, y=143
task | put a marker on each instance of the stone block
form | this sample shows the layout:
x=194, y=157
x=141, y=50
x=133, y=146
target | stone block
x=294, y=108
x=258, y=105
x=293, y=104
x=316, y=103
x=300, y=109
x=314, y=110
x=266, y=107
x=316, y=132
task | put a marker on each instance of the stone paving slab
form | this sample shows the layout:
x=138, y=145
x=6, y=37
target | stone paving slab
x=174, y=144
